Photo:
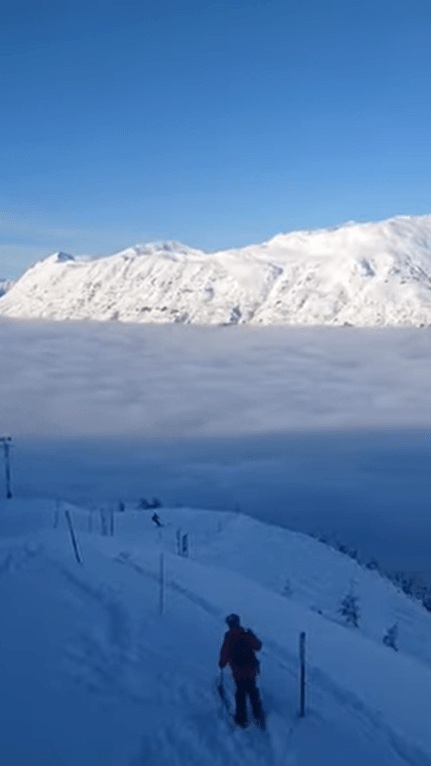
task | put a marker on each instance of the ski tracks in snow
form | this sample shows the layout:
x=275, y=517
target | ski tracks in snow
x=101, y=656
x=113, y=664
x=204, y=739
x=12, y=559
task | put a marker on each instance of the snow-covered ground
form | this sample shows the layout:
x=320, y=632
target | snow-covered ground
x=95, y=668
x=363, y=274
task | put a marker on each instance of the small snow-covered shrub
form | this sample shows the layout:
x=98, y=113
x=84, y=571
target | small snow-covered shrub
x=391, y=637
x=372, y=564
x=349, y=609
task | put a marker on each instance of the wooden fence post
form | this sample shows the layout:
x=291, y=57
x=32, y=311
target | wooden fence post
x=72, y=534
x=302, y=675
x=185, y=545
x=6, y=445
x=103, y=522
x=162, y=584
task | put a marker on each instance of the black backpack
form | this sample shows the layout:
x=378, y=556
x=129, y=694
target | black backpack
x=242, y=654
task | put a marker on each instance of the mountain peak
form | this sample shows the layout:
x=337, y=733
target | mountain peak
x=161, y=247
x=62, y=257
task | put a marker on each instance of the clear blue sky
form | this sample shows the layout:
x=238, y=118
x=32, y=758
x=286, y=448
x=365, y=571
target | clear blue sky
x=213, y=122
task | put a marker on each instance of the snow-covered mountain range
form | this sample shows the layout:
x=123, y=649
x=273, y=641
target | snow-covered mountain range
x=361, y=274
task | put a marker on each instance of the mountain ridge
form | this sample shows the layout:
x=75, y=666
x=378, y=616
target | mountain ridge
x=362, y=274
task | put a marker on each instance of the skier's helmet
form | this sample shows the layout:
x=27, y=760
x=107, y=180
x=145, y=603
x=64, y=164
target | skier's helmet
x=233, y=620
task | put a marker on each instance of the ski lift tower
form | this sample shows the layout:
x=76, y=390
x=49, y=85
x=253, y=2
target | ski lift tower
x=5, y=440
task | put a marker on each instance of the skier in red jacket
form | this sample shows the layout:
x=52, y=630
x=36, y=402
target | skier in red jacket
x=238, y=650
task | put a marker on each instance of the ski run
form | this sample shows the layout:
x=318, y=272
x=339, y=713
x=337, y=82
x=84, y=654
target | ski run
x=113, y=659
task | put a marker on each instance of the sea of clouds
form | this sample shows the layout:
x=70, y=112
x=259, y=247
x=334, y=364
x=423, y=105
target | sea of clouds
x=317, y=429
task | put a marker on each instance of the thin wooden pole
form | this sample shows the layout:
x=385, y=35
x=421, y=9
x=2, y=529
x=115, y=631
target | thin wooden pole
x=185, y=545
x=302, y=675
x=6, y=443
x=8, y=489
x=72, y=534
x=162, y=583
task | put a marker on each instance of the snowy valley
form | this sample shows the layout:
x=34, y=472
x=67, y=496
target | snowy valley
x=362, y=274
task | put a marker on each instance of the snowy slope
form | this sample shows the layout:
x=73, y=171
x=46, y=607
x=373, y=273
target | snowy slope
x=93, y=673
x=362, y=274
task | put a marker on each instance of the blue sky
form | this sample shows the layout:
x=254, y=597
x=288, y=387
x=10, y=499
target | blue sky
x=215, y=123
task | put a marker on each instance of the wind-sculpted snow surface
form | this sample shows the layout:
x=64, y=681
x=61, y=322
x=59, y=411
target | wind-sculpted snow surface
x=361, y=274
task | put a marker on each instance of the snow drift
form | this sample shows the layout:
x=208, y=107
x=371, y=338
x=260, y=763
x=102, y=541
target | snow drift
x=360, y=274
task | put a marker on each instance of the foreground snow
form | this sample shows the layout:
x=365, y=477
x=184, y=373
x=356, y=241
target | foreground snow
x=361, y=274
x=91, y=672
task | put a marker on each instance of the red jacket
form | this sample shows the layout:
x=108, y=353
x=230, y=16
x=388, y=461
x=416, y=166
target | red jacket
x=243, y=673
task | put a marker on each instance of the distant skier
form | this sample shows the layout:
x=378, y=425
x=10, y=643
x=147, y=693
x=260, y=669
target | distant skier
x=238, y=650
x=156, y=518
